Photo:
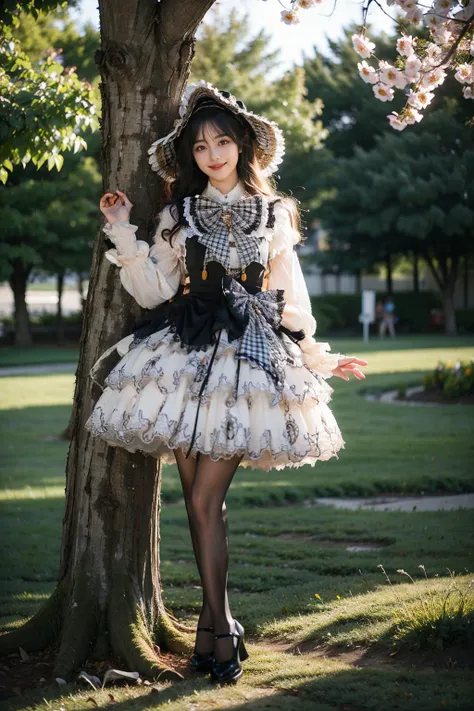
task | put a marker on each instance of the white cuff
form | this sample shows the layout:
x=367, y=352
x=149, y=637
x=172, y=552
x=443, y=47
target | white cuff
x=122, y=234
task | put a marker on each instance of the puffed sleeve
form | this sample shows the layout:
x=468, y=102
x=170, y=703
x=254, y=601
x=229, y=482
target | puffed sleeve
x=286, y=273
x=150, y=274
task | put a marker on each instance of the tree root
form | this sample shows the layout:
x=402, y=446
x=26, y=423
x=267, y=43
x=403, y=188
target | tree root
x=79, y=630
x=87, y=632
x=134, y=638
x=40, y=631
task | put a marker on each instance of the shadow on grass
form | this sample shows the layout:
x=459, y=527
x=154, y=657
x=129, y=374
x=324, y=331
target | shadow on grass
x=284, y=683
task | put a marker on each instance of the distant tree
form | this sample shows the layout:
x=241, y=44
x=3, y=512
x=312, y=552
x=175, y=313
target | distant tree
x=58, y=30
x=47, y=223
x=412, y=193
x=45, y=106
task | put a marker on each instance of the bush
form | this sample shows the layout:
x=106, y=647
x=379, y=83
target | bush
x=465, y=320
x=453, y=379
x=341, y=311
x=48, y=319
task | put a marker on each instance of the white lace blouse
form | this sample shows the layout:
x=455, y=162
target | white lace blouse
x=152, y=275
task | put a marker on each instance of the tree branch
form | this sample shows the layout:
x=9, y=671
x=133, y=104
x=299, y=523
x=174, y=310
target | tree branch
x=182, y=18
x=433, y=270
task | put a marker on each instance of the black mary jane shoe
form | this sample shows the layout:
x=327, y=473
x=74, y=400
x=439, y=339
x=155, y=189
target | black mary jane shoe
x=231, y=669
x=201, y=662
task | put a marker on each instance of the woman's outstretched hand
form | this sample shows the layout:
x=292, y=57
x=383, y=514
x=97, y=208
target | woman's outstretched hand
x=348, y=365
x=115, y=206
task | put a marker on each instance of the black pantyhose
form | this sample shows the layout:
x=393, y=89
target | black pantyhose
x=205, y=484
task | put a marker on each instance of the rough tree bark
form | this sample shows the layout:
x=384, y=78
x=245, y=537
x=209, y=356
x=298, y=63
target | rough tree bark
x=18, y=281
x=108, y=598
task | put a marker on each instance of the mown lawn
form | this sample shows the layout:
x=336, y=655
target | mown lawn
x=319, y=615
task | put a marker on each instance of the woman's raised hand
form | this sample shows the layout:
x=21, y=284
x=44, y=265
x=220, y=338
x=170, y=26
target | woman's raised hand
x=348, y=365
x=115, y=206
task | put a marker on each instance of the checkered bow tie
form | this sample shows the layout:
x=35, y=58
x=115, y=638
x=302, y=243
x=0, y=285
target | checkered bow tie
x=212, y=222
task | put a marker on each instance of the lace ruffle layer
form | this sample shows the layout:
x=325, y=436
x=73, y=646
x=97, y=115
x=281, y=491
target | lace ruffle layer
x=151, y=399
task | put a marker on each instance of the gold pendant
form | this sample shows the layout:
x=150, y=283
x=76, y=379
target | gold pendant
x=204, y=274
x=243, y=276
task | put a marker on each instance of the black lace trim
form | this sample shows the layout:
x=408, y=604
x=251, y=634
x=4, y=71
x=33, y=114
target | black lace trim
x=271, y=213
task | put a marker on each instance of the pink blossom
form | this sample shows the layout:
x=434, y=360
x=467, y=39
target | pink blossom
x=391, y=76
x=443, y=6
x=383, y=92
x=363, y=46
x=415, y=16
x=420, y=99
x=433, y=79
x=465, y=74
x=395, y=122
x=405, y=45
x=412, y=68
x=412, y=116
x=306, y=4
x=368, y=73
x=467, y=92
x=290, y=17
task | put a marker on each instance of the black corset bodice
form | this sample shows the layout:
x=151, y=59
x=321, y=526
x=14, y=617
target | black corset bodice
x=222, y=300
x=215, y=271
x=198, y=313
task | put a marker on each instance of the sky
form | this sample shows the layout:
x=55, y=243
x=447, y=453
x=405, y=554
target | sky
x=292, y=40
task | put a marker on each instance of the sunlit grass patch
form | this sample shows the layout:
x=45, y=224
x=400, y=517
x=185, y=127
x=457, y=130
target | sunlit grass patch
x=379, y=617
x=440, y=615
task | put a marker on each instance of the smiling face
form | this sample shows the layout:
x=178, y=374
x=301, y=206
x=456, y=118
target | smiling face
x=216, y=153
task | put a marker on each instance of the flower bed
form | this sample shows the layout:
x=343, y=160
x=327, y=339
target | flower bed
x=453, y=380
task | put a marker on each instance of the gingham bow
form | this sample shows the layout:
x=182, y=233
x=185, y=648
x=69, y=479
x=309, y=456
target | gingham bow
x=260, y=315
x=212, y=221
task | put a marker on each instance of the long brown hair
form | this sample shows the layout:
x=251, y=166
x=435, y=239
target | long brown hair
x=192, y=181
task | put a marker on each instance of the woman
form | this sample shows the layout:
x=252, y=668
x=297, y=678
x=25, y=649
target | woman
x=223, y=370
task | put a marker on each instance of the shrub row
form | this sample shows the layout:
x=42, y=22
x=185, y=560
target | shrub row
x=414, y=312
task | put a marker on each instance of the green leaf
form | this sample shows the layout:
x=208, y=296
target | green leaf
x=8, y=164
x=3, y=175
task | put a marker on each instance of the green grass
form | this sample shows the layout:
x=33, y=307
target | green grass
x=40, y=355
x=292, y=580
x=11, y=356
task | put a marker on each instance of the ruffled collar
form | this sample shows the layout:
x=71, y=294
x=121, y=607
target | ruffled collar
x=234, y=195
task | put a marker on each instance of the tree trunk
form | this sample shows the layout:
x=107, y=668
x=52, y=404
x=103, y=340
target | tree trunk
x=416, y=274
x=80, y=289
x=18, y=282
x=108, y=599
x=389, y=277
x=449, y=312
x=445, y=276
x=59, y=311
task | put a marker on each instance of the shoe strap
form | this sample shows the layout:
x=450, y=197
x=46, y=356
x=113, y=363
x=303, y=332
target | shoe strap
x=205, y=629
x=227, y=634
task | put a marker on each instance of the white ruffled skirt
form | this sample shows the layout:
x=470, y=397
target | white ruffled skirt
x=151, y=398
